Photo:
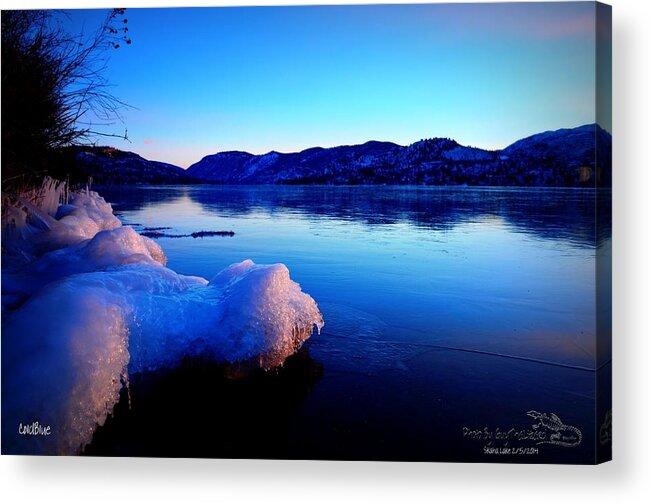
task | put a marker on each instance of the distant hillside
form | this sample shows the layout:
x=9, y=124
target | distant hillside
x=564, y=157
x=112, y=166
x=343, y=164
x=577, y=157
x=567, y=150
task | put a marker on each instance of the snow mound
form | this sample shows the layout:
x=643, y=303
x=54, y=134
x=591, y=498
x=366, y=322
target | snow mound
x=106, y=249
x=82, y=318
x=29, y=230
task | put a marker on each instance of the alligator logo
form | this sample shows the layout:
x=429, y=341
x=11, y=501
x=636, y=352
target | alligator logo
x=606, y=430
x=561, y=434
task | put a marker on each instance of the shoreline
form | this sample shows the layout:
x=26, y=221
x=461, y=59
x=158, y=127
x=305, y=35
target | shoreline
x=100, y=289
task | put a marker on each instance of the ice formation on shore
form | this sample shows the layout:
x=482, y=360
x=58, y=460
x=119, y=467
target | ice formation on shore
x=87, y=302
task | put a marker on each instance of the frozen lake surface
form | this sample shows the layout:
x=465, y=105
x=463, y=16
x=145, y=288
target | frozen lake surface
x=444, y=308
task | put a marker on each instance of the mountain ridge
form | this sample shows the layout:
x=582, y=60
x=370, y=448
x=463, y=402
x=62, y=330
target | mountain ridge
x=566, y=157
x=108, y=165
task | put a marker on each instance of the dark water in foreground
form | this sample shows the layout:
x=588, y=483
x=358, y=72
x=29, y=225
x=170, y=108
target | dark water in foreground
x=449, y=313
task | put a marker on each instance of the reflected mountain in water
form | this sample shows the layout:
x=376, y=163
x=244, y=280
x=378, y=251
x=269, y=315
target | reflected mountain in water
x=547, y=213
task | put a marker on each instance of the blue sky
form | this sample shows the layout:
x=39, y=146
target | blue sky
x=205, y=80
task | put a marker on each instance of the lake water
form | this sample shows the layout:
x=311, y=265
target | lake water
x=445, y=309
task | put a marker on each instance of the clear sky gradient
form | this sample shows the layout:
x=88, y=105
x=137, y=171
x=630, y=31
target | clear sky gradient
x=257, y=79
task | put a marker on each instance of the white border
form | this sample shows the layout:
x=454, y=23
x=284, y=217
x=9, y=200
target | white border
x=627, y=479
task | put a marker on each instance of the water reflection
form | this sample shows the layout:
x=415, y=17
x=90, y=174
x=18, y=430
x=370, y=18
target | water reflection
x=444, y=307
x=553, y=214
x=201, y=410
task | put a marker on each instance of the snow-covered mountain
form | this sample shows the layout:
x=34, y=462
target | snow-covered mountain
x=563, y=158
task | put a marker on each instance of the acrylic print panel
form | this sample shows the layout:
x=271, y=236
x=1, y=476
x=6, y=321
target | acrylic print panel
x=376, y=232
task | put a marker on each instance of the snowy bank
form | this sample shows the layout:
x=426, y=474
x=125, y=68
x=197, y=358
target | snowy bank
x=87, y=302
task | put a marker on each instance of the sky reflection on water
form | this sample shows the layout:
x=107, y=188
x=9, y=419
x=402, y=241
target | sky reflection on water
x=443, y=306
